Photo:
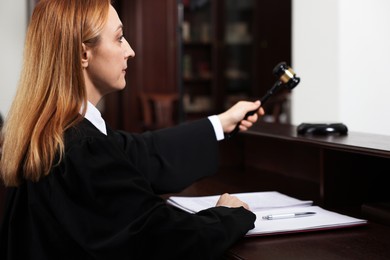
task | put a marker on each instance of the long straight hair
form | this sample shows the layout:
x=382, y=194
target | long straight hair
x=51, y=89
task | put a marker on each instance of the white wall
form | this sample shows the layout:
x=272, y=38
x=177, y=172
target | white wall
x=341, y=51
x=13, y=20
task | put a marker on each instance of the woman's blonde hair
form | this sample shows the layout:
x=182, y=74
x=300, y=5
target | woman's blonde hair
x=51, y=90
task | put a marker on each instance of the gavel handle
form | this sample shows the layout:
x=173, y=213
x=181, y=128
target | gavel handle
x=264, y=99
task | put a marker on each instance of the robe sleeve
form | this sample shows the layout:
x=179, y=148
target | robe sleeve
x=173, y=158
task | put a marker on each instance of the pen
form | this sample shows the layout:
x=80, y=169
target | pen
x=289, y=215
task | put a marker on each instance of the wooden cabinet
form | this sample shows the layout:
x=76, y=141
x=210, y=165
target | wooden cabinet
x=229, y=48
x=197, y=57
x=212, y=53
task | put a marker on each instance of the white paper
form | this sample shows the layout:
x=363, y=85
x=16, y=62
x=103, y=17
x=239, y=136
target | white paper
x=273, y=202
x=255, y=200
x=323, y=219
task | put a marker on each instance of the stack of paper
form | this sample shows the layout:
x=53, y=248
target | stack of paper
x=276, y=213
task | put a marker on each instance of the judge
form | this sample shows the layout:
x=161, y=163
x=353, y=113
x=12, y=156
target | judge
x=78, y=189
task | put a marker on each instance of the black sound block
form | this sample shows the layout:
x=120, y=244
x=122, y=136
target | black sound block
x=322, y=129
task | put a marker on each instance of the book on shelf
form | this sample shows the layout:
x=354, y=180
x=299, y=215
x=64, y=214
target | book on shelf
x=291, y=215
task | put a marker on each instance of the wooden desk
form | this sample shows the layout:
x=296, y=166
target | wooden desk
x=364, y=242
x=369, y=242
x=339, y=173
x=334, y=171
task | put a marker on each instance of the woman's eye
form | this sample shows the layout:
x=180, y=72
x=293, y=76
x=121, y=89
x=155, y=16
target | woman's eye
x=121, y=38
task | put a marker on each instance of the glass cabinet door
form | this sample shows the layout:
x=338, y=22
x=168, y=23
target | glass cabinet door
x=197, y=58
x=229, y=48
x=238, y=49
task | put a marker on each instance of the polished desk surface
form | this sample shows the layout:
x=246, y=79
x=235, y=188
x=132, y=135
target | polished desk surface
x=366, y=242
x=365, y=143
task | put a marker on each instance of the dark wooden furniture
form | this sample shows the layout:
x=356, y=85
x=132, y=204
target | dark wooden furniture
x=335, y=171
x=339, y=173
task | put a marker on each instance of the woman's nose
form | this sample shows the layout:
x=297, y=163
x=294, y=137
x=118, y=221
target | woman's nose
x=129, y=51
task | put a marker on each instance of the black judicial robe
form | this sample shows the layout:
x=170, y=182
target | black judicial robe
x=101, y=201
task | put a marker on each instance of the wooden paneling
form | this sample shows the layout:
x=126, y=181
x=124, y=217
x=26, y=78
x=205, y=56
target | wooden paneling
x=273, y=38
x=150, y=28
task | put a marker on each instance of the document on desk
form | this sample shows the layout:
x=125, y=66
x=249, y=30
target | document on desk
x=255, y=200
x=276, y=213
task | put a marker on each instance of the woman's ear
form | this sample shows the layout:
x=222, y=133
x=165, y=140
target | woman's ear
x=85, y=56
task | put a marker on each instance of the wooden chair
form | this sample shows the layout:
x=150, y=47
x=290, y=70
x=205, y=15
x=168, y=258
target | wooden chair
x=158, y=110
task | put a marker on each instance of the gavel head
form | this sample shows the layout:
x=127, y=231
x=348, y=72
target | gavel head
x=286, y=75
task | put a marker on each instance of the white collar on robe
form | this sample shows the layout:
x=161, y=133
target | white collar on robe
x=93, y=115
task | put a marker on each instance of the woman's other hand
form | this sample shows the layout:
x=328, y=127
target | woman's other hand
x=230, y=201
